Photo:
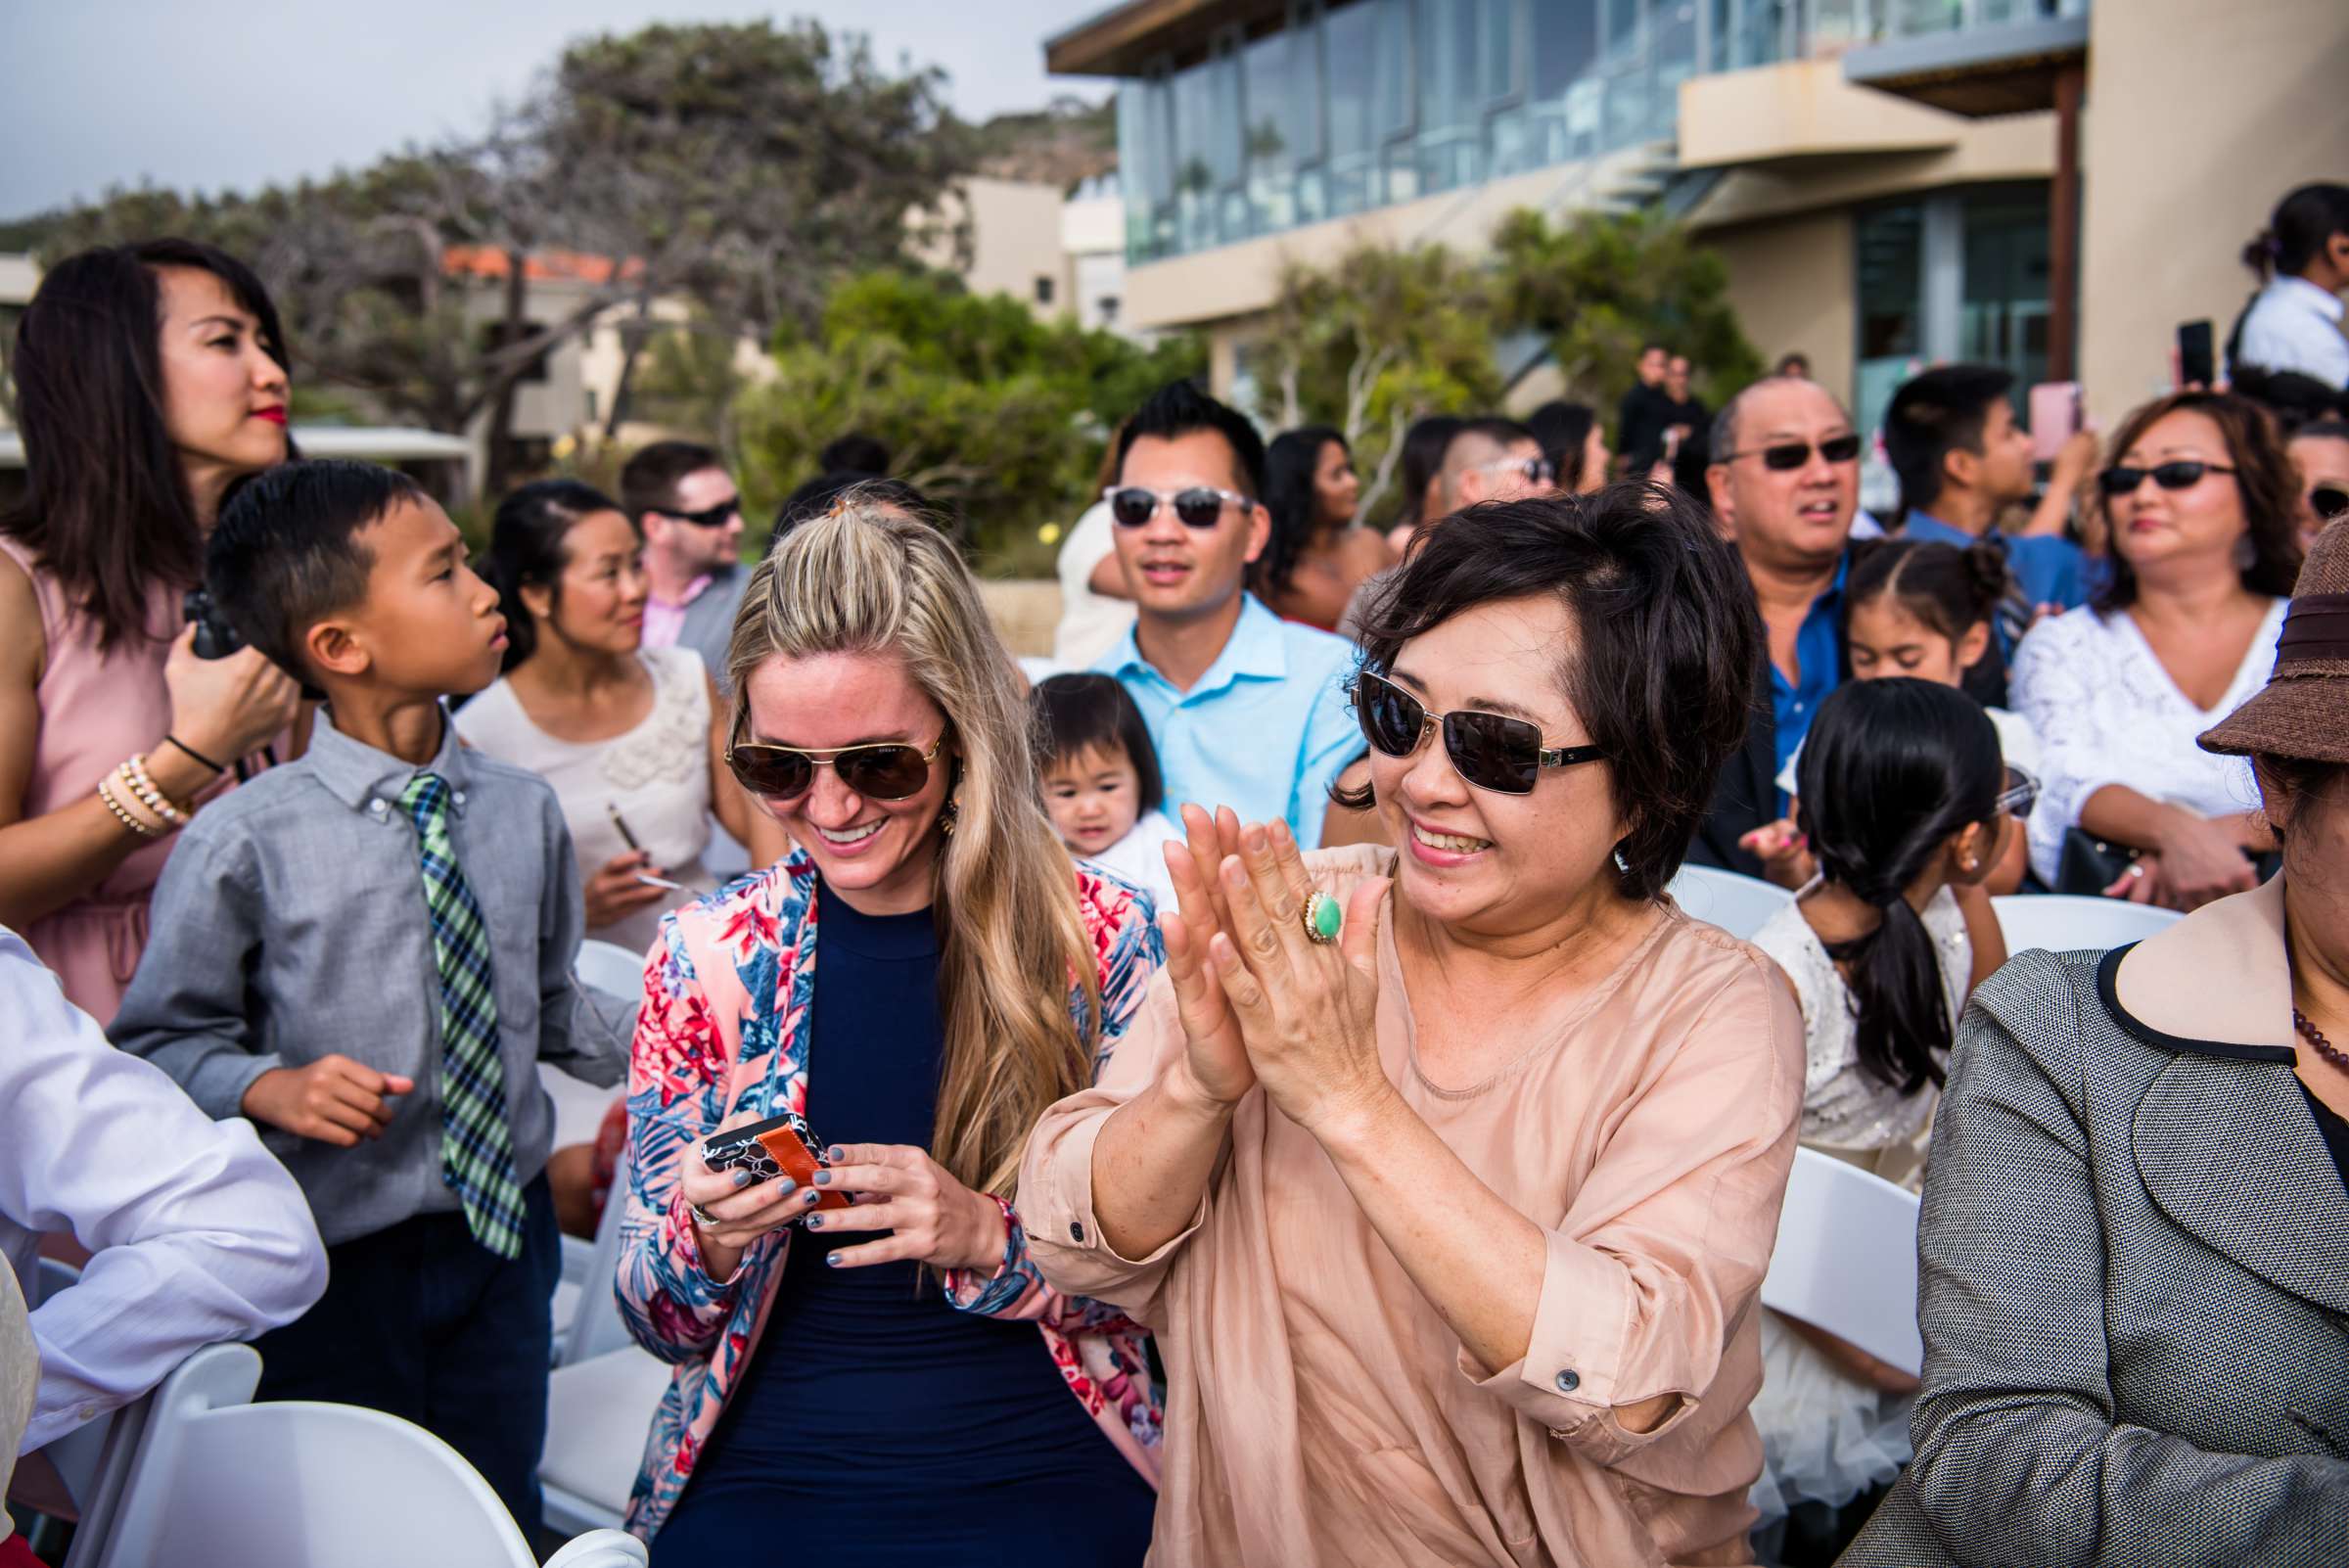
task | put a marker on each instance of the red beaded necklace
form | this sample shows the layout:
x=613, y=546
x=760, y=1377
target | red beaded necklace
x=2316, y=1038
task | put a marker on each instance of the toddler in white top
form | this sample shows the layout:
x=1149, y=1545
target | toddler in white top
x=1101, y=780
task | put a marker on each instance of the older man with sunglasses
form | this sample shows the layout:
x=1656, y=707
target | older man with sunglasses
x=1785, y=485
x=1245, y=709
x=687, y=505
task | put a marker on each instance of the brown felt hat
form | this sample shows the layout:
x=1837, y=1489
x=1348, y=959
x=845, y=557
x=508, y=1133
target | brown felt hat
x=2303, y=711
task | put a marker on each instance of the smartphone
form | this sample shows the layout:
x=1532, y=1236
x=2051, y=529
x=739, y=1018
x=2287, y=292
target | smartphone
x=779, y=1146
x=2197, y=362
x=622, y=824
x=2055, y=418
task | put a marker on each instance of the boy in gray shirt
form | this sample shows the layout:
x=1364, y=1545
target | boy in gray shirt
x=367, y=952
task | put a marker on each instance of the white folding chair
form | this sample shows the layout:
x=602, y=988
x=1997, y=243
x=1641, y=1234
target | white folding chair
x=222, y=1483
x=93, y=1460
x=610, y=968
x=2063, y=922
x=1739, y=904
x=601, y=1395
x=1845, y=1258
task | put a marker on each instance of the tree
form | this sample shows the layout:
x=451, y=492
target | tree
x=986, y=409
x=1374, y=342
x=1602, y=284
x=744, y=166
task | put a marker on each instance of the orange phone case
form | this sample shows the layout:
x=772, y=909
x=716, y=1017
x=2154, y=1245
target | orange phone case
x=801, y=1163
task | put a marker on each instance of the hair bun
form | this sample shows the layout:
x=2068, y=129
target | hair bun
x=2261, y=253
x=1986, y=567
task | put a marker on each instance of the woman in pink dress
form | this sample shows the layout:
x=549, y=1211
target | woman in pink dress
x=150, y=378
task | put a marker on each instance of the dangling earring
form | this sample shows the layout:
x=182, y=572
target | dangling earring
x=953, y=807
x=1623, y=867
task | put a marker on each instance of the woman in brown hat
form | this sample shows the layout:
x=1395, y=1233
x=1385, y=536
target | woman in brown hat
x=2134, y=1285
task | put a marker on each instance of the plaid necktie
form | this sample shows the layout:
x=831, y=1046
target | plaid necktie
x=476, y=1146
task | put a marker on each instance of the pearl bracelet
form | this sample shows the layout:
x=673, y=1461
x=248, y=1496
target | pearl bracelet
x=135, y=773
x=124, y=817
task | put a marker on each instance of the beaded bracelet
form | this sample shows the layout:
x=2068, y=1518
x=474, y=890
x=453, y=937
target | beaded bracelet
x=124, y=817
x=135, y=773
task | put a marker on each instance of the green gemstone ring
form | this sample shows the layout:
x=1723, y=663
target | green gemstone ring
x=1323, y=919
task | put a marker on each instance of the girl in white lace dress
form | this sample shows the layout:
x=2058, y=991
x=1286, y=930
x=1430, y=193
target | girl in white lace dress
x=1906, y=806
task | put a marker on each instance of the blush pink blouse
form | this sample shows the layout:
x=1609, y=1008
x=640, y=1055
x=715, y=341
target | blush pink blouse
x=1320, y=1412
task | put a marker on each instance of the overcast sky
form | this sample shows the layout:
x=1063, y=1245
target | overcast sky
x=96, y=93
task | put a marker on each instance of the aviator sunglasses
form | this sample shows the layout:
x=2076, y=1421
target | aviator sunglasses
x=884, y=771
x=2182, y=474
x=1196, y=506
x=1491, y=751
x=1784, y=456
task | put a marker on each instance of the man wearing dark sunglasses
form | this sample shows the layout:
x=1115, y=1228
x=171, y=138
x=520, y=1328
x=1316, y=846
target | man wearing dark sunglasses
x=1784, y=481
x=685, y=505
x=1245, y=709
x=2320, y=451
x=1951, y=436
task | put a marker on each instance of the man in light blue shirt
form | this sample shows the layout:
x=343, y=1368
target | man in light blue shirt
x=1246, y=709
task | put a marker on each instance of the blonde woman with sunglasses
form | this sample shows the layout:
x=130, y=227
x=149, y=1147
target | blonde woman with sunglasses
x=857, y=1321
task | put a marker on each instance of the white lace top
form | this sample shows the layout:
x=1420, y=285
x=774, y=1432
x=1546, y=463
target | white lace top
x=2107, y=713
x=1844, y=1107
x=657, y=774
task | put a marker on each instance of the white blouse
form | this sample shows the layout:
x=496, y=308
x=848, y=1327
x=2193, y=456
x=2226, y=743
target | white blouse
x=2294, y=325
x=657, y=774
x=2107, y=713
x=1845, y=1107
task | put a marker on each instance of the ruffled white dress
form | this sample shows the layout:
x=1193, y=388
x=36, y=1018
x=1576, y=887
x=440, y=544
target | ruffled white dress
x=1826, y=1438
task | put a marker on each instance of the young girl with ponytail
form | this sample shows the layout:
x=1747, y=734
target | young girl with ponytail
x=1904, y=801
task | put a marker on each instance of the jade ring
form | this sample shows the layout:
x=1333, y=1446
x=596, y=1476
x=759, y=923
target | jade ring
x=1321, y=918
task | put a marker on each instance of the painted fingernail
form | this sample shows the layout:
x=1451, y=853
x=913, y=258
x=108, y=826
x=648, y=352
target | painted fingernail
x=836, y=1152
x=832, y=1259
x=811, y=1196
x=815, y=1221
x=823, y=1178
x=742, y=1178
x=785, y=1186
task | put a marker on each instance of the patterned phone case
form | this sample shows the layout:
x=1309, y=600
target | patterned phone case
x=780, y=1146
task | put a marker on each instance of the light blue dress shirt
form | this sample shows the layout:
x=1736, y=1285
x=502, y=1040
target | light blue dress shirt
x=1265, y=731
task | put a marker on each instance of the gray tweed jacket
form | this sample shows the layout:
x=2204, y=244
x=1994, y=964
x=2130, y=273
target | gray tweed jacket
x=2133, y=1278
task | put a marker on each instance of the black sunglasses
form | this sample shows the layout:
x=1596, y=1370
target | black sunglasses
x=2328, y=500
x=1491, y=751
x=711, y=517
x=2183, y=475
x=2019, y=796
x=1199, y=506
x=885, y=771
x=1788, y=455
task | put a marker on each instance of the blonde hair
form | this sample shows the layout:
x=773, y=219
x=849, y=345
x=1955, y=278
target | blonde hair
x=869, y=578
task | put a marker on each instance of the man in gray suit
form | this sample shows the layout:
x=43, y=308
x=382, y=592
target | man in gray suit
x=689, y=511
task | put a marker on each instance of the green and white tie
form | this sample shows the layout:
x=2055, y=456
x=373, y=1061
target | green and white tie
x=476, y=1143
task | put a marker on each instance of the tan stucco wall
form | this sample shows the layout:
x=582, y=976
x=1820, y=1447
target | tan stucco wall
x=2018, y=147
x=1791, y=282
x=2200, y=117
x=1015, y=238
x=1800, y=108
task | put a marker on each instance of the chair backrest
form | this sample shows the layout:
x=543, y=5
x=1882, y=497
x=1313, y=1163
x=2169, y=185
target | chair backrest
x=93, y=1460
x=1739, y=904
x=2062, y=922
x=610, y=969
x=1845, y=1258
x=596, y=1327
x=601, y=1548
x=223, y=1483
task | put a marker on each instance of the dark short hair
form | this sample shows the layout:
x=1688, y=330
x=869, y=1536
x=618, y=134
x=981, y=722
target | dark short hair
x=1935, y=584
x=528, y=545
x=2264, y=478
x=2296, y=400
x=822, y=493
x=1423, y=446
x=1667, y=642
x=1932, y=415
x=1179, y=408
x=1796, y=357
x=288, y=549
x=1495, y=427
x=1563, y=429
x=1075, y=712
x=649, y=483
x=854, y=453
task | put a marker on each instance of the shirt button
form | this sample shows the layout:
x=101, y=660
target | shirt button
x=1569, y=1380
x=459, y=797
x=88, y=1412
x=377, y=807
x=1076, y=1230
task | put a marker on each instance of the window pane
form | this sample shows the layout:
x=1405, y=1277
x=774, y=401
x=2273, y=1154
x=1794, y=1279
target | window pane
x=1892, y=315
x=1346, y=51
x=1195, y=175
x=1146, y=167
x=1272, y=93
x=1450, y=109
x=2003, y=320
x=1565, y=43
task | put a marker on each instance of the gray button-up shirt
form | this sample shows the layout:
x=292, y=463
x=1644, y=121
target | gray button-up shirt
x=289, y=924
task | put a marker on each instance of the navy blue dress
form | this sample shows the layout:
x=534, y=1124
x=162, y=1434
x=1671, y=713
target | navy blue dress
x=876, y=1425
